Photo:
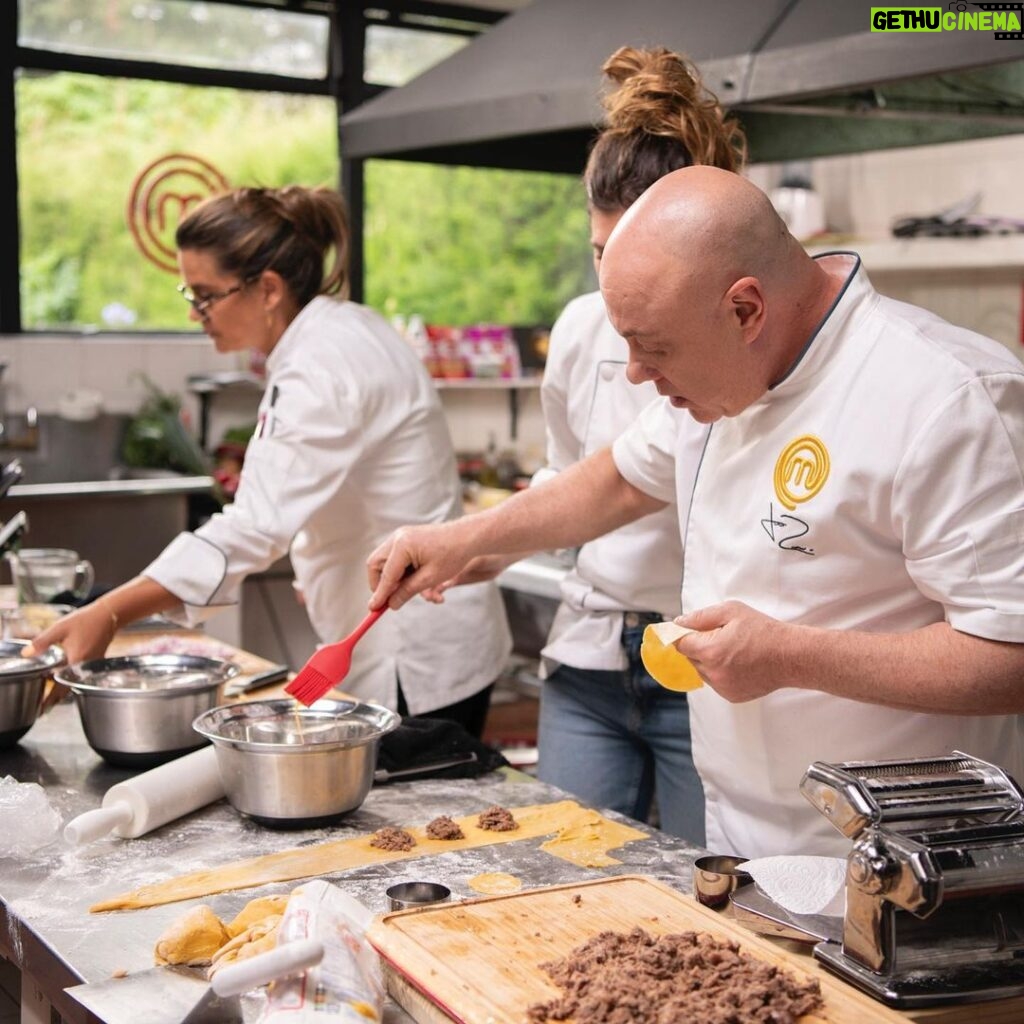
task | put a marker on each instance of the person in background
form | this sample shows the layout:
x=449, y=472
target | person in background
x=608, y=732
x=853, y=556
x=351, y=441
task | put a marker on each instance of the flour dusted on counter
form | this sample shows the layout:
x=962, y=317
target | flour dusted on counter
x=347, y=985
x=30, y=822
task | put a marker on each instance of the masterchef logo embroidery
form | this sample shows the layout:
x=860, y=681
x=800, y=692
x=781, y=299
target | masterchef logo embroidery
x=801, y=471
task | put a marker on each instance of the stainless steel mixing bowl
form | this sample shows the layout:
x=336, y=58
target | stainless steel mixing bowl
x=22, y=682
x=288, y=766
x=137, y=711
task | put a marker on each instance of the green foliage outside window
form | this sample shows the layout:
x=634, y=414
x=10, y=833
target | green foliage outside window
x=461, y=245
x=455, y=245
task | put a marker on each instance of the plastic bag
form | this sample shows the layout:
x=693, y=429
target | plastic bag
x=347, y=985
x=30, y=822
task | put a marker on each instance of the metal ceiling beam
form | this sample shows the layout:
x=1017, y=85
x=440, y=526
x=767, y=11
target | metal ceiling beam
x=10, y=287
x=47, y=60
x=520, y=81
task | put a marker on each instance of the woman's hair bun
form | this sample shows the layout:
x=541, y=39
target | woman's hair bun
x=658, y=92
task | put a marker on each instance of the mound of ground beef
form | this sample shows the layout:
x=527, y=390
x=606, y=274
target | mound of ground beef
x=636, y=978
x=388, y=838
x=497, y=819
x=442, y=827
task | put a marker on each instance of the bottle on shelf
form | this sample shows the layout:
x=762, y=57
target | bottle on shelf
x=489, y=476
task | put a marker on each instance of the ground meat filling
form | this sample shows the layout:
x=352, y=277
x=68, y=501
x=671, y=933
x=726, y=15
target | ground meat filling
x=497, y=819
x=388, y=838
x=635, y=978
x=442, y=827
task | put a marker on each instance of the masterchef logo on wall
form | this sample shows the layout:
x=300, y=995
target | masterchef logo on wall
x=1002, y=20
x=161, y=194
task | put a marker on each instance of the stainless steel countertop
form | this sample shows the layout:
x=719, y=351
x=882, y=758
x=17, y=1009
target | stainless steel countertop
x=45, y=924
x=114, y=488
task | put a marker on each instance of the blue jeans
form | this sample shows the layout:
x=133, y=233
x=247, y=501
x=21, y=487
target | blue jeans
x=614, y=739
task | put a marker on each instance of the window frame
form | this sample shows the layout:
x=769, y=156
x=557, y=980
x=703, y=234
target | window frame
x=344, y=81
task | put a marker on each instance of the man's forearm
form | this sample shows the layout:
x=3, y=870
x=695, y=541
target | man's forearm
x=935, y=669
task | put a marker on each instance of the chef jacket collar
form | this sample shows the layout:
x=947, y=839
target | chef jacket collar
x=855, y=298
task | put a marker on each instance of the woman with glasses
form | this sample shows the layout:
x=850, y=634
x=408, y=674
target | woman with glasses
x=351, y=443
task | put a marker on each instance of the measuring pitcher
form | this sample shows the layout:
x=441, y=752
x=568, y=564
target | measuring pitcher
x=40, y=574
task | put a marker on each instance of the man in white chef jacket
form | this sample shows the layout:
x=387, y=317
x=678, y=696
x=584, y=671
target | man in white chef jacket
x=854, y=548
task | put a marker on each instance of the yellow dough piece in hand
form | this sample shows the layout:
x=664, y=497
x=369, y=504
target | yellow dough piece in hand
x=670, y=668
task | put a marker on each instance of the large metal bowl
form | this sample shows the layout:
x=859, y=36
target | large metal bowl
x=22, y=683
x=137, y=711
x=288, y=766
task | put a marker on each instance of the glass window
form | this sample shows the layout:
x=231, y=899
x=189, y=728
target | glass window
x=191, y=32
x=463, y=245
x=84, y=143
x=395, y=56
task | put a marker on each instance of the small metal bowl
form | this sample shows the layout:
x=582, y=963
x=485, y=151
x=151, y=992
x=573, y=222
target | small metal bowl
x=137, y=711
x=288, y=766
x=715, y=877
x=406, y=895
x=22, y=684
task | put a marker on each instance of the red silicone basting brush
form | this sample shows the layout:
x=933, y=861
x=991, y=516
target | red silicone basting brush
x=329, y=665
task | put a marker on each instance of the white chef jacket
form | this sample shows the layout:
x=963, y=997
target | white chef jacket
x=587, y=403
x=878, y=487
x=351, y=443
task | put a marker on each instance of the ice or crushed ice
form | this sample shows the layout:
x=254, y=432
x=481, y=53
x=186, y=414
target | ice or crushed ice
x=29, y=820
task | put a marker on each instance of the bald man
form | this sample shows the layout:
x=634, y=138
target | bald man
x=854, y=540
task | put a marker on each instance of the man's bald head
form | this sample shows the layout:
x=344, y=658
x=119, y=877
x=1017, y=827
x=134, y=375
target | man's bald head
x=710, y=290
x=704, y=220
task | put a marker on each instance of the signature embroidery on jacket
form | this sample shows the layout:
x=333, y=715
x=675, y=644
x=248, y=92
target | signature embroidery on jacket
x=786, y=530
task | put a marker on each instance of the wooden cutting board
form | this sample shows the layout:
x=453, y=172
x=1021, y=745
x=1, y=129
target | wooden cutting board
x=477, y=962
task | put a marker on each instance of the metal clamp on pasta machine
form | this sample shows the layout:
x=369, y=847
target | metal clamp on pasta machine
x=934, y=881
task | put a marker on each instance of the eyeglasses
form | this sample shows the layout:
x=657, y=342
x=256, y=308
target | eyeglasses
x=202, y=303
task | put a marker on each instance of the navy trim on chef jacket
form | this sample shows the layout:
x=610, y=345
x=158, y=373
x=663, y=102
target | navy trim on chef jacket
x=824, y=319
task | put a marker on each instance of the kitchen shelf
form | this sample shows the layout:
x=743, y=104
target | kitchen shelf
x=487, y=383
x=987, y=252
x=206, y=386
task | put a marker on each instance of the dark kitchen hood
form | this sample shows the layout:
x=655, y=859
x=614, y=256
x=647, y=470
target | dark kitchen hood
x=806, y=77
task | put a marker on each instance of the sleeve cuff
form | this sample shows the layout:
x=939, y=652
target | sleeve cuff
x=636, y=469
x=191, y=568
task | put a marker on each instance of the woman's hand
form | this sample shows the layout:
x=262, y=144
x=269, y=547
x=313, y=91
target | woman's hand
x=84, y=634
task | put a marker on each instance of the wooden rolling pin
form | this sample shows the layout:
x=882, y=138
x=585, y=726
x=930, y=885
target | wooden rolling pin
x=147, y=801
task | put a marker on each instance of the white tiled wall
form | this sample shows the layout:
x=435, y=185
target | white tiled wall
x=864, y=193
x=41, y=368
x=474, y=416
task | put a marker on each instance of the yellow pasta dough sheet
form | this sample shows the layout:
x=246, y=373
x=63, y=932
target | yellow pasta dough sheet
x=579, y=834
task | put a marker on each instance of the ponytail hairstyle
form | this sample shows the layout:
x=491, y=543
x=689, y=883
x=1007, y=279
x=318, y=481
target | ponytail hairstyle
x=659, y=117
x=289, y=230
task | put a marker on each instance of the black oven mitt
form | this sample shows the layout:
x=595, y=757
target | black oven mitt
x=421, y=745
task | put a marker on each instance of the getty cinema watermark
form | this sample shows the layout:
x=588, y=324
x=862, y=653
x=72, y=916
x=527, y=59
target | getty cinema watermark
x=1002, y=20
